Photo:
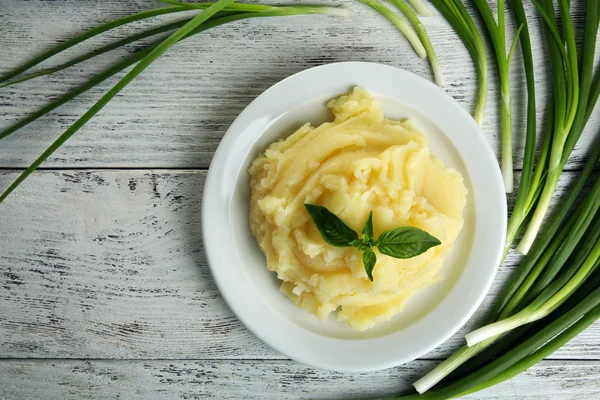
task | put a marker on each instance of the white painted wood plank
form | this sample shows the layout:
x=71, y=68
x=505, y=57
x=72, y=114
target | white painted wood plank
x=54, y=379
x=176, y=112
x=109, y=264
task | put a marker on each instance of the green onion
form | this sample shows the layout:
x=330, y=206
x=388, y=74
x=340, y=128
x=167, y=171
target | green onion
x=102, y=50
x=498, y=36
x=560, y=249
x=537, y=181
x=570, y=107
x=547, y=285
x=521, y=208
x=402, y=26
x=462, y=23
x=135, y=71
x=87, y=35
x=588, y=307
x=422, y=33
x=144, y=58
x=305, y=9
x=232, y=7
x=538, y=272
x=552, y=296
x=180, y=6
x=421, y=8
x=534, y=263
x=105, y=75
x=211, y=23
x=75, y=92
x=541, y=353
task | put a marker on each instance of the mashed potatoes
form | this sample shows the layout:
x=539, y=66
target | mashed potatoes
x=357, y=163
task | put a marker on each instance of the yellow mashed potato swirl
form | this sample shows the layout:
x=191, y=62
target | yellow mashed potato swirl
x=359, y=162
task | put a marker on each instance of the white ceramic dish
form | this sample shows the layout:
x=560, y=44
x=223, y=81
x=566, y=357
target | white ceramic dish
x=238, y=266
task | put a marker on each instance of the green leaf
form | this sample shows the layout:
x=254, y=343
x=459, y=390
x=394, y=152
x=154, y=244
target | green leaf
x=367, y=230
x=333, y=230
x=405, y=242
x=369, y=259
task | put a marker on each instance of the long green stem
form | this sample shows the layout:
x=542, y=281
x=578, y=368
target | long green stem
x=522, y=333
x=541, y=170
x=584, y=291
x=239, y=7
x=533, y=265
x=458, y=17
x=107, y=74
x=211, y=23
x=520, y=209
x=421, y=8
x=590, y=285
x=550, y=238
x=540, y=265
x=574, y=120
x=422, y=33
x=498, y=36
x=517, y=353
x=87, y=35
x=549, y=283
x=134, y=72
x=532, y=313
x=102, y=50
x=541, y=353
x=560, y=249
x=402, y=26
x=233, y=7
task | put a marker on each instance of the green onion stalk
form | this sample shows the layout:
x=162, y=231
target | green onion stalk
x=466, y=353
x=529, y=181
x=399, y=23
x=549, y=291
x=213, y=14
x=240, y=7
x=579, y=312
x=135, y=71
x=87, y=35
x=459, y=19
x=497, y=32
x=535, y=312
x=421, y=8
x=7, y=79
x=543, y=352
x=91, y=54
x=571, y=94
x=556, y=245
x=422, y=34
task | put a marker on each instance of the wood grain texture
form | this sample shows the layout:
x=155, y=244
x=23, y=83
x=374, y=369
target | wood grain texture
x=176, y=112
x=279, y=380
x=109, y=264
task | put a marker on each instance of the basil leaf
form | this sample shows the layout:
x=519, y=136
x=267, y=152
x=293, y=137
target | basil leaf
x=367, y=230
x=405, y=242
x=333, y=230
x=369, y=260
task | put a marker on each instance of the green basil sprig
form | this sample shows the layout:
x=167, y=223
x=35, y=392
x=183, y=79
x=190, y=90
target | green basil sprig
x=403, y=242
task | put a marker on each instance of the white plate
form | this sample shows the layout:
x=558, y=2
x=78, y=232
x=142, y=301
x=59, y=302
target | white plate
x=238, y=266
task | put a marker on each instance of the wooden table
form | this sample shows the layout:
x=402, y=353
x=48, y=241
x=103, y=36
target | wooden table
x=104, y=287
